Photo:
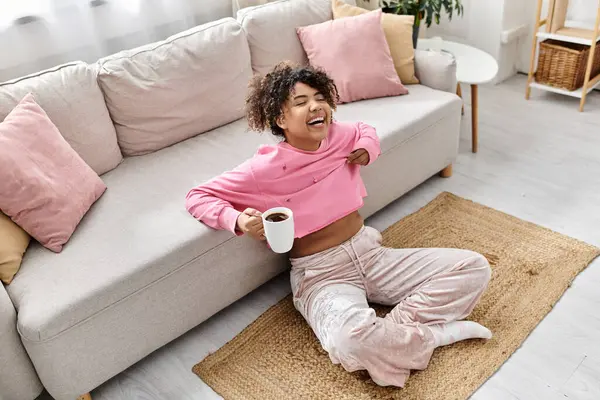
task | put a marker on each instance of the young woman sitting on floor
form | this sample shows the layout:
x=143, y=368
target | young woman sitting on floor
x=338, y=264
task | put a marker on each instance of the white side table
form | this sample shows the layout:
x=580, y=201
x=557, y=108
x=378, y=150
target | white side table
x=473, y=67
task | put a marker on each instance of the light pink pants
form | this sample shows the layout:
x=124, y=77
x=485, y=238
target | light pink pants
x=426, y=286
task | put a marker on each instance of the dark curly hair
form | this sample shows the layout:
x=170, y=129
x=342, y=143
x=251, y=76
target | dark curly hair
x=268, y=94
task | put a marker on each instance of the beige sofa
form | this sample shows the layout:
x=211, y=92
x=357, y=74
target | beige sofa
x=154, y=122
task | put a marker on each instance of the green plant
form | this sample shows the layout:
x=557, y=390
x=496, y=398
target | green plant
x=429, y=10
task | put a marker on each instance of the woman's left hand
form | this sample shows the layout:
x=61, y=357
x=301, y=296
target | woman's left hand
x=360, y=157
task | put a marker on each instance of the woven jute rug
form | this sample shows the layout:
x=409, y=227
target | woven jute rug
x=278, y=357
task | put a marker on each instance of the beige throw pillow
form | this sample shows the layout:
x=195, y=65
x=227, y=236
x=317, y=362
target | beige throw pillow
x=398, y=33
x=13, y=243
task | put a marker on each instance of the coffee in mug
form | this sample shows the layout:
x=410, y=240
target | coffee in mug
x=276, y=217
x=279, y=229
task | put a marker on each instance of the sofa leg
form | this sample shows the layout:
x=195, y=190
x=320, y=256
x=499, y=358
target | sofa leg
x=86, y=396
x=446, y=172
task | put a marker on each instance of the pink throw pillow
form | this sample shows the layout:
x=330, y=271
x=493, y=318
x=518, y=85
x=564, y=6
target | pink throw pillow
x=354, y=53
x=45, y=187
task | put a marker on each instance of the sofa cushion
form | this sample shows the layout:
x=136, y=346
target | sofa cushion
x=162, y=93
x=325, y=45
x=13, y=243
x=271, y=30
x=137, y=233
x=436, y=69
x=398, y=31
x=72, y=99
x=397, y=119
x=45, y=187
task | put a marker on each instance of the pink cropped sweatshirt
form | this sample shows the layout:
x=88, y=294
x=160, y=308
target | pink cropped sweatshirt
x=319, y=186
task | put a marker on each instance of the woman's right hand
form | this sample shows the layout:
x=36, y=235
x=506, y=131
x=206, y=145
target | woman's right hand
x=250, y=222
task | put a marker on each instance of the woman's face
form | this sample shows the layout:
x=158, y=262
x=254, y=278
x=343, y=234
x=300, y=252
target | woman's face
x=306, y=117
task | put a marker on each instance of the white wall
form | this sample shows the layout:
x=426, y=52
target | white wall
x=480, y=26
x=504, y=29
x=582, y=12
x=516, y=27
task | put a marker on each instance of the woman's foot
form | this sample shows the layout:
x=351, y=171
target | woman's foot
x=452, y=332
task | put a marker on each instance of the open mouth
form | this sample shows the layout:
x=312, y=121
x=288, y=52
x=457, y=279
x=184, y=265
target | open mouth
x=316, y=121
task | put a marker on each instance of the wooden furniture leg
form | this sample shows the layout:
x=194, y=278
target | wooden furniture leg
x=474, y=118
x=537, y=25
x=459, y=94
x=551, y=6
x=446, y=172
x=86, y=396
x=588, y=70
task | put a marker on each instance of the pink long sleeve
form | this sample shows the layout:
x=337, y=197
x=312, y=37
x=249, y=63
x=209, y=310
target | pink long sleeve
x=368, y=140
x=319, y=186
x=219, y=202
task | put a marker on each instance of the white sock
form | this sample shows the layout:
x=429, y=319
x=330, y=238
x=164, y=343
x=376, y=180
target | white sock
x=452, y=332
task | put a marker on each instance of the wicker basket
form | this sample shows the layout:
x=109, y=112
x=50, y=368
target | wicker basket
x=563, y=64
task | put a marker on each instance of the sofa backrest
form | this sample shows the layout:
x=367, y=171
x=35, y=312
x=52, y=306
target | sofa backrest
x=271, y=30
x=70, y=95
x=165, y=92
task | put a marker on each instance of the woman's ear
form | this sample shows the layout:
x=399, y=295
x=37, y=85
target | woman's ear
x=281, y=122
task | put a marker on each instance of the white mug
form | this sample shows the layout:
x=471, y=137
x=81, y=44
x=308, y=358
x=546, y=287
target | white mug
x=280, y=235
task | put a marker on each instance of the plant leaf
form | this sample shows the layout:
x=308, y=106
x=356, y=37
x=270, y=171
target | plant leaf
x=429, y=15
x=430, y=10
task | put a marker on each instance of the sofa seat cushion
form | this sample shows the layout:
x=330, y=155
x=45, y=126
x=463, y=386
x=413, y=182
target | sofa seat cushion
x=137, y=233
x=397, y=119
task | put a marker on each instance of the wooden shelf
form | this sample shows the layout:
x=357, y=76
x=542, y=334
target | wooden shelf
x=573, y=93
x=556, y=29
x=569, y=38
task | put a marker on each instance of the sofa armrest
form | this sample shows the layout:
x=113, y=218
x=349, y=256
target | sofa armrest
x=436, y=70
x=18, y=379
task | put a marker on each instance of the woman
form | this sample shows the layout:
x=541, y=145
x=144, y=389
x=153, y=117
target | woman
x=338, y=264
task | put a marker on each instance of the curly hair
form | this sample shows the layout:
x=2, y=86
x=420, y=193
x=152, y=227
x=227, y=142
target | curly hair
x=268, y=94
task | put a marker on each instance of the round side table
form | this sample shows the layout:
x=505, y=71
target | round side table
x=473, y=67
